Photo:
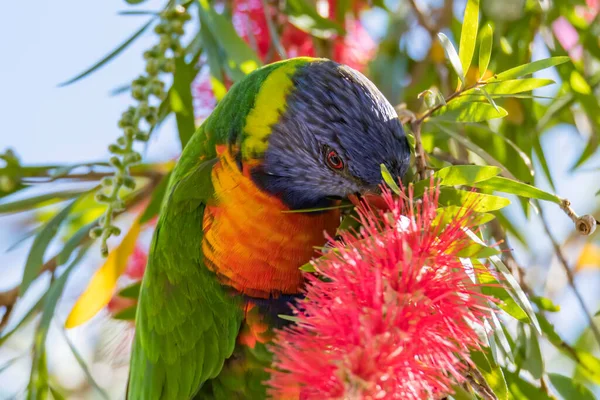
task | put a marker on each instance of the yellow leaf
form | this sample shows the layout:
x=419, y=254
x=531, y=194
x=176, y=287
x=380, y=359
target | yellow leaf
x=103, y=283
x=589, y=258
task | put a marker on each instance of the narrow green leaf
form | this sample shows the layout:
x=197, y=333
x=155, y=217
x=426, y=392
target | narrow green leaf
x=153, y=206
x=539, y=152
x=491, y=287
x=240, y=56
x=452, y=56
x=514, y=86
x=533, y=362
x=468, y=35
x=492, y=374
x=74, y=242
x=448, y=214
x=127, y=314
x=135, y=1
x=56, y=395
x=389, y=180
x=306, y=18
x=520, y=389
x=489, y=99
x=33, y=311
x=466, y=111
x=83, y=364
x=476, y=250
x=465, y=174
x=36, y=201
x=132, y=291
x=308, y=267
x=545, y=304
x=181, y=100
x=35, y=259
x=273, y=30
x=528, y=69
x=478, y=202
x=486, y=38
x=140, y=12
x=288, y=317
x=569, y=389
x=506, y=185
x=110, y=56
x=516, y=291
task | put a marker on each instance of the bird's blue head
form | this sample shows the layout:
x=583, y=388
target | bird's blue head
x=330, y=140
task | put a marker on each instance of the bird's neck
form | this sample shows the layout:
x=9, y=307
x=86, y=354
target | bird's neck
x=252, y=240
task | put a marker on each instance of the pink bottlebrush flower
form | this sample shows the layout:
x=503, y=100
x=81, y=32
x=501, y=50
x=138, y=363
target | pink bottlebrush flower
x=394, y=316
x=568, y=37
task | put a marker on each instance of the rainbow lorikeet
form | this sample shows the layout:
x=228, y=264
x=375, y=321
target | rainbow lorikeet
x=225, y=256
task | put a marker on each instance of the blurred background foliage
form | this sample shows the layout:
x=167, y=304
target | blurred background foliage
x=516, y=134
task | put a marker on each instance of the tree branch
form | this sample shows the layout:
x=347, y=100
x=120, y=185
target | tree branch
x=570, y=276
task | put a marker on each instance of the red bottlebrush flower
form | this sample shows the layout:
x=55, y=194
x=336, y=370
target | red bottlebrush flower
x=136, y=264
x=394, y=317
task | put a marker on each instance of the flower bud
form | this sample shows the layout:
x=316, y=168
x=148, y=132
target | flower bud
x=107, y=182
x=115, y=162
x=102, y=198
x=129, y=182
x=96, y=232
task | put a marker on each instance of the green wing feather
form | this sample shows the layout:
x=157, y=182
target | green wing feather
x=186, y=323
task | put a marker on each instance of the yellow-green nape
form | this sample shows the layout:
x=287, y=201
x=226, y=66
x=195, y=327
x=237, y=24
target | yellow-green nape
x=269, y=104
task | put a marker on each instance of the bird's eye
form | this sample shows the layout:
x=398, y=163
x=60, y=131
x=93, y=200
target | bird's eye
x=334, y=160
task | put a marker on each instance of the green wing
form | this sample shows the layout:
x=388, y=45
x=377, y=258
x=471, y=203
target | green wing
x=186, y=324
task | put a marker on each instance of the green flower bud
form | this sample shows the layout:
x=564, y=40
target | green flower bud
x=114, y=230
x=113, y=148
x=129, y=182
x=107, y=182
x=133, y=158
x=169, y=66
x=129, y=132
x=96, y=232
x=104, y=250
x=119, y=205
x=102, y=198
x=177, y=27
x=160, y=29
x=137, y=92
x=122, y=141
x=152, y=67
x=115, y=162
x=143, y=108
x=142, y=137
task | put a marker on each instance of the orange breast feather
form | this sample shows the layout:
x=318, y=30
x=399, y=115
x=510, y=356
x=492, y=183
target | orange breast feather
x=251, y=243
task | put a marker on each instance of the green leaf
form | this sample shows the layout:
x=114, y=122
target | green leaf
x=466, y=111
x=492, y=374
x=131, y=292
x=306, y=18
x=135, y=1
x=448, y=214
x=516, y=291
x=514, y=86
x=127, y=314
x=539, y=152
x=74, y=242
x=486, y=39
x=545, y=304
x=468, y=35
x=389, y=180
x=110, y=56
x=506, y=185
x=35, y=259
x=273, y=29
x=36, y=201
x=528, y=69
x=520, y=389
x=491, y=287
x=457, y=175
x=181, y=100
x=288, y=317
x=308, y=267
x=465, y=174
x=533, y=362
x=478, y=202
x=489, y=98
x=155, y=202
x=27, y=317
x=452, y=56
x=476, y=250
x=240, y=57
x=569, y=389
